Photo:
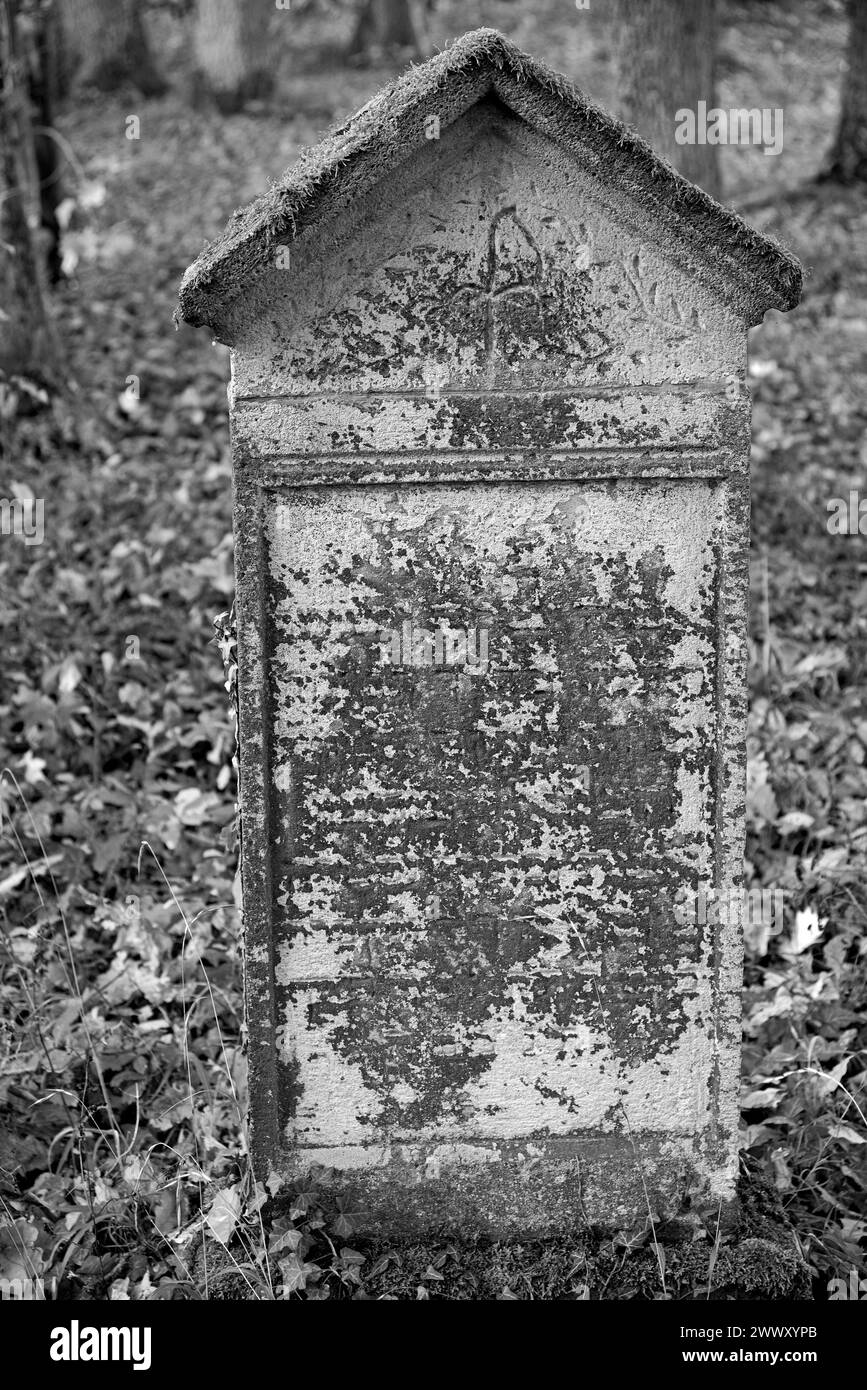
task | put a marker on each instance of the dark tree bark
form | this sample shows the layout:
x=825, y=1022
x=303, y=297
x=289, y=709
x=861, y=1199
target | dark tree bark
x=41, y=52
x=847, y=162
x=114, y=49
x=666, y=60
x=27, y=340
x=385, y=28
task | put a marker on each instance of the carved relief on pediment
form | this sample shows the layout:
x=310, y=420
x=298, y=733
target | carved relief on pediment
x=487, y=279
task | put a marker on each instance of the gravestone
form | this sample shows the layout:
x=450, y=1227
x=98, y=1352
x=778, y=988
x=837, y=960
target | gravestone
x=490, y=432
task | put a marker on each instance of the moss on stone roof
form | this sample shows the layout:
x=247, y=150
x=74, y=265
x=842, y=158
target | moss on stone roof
x=357, y=155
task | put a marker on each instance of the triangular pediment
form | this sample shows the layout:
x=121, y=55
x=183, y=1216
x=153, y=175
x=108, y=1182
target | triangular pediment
x=483, y=67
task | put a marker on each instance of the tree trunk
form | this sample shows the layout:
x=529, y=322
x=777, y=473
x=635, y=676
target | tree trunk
x=667, y=62
x=385, y=28
x=27, y=341
x=41, y=54
x=234, y=58
x=848, y=159
x=114, y=49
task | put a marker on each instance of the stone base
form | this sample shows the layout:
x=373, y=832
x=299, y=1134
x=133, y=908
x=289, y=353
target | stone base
x=519, y=1188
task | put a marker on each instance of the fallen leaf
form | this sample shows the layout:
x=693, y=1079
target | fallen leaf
x=224, y=1213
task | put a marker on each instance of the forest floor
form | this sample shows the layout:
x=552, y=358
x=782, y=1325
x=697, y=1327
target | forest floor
x=122, y=1081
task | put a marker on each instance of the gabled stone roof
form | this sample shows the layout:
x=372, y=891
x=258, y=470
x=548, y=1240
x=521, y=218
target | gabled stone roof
x=386, y=131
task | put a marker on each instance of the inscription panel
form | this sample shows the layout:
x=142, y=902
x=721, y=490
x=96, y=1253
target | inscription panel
x=492, y=742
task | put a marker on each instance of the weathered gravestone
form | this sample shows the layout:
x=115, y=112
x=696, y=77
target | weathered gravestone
x=490, y=435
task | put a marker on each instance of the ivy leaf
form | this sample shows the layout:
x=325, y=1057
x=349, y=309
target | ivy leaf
x=296, y=1273
x=224, y=1213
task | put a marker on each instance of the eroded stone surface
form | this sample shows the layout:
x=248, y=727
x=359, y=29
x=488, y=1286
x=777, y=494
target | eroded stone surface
x=477, y=940
x=485, y=856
